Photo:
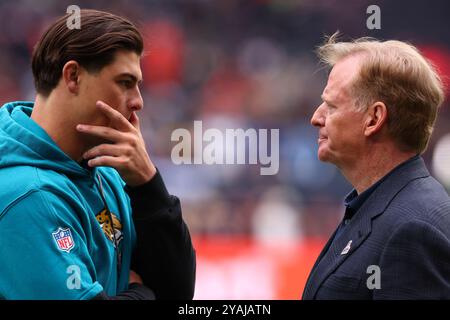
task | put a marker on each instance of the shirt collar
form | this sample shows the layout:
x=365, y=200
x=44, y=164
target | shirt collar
x=354, y=201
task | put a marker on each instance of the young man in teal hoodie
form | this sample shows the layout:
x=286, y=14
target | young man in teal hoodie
x=84, y=213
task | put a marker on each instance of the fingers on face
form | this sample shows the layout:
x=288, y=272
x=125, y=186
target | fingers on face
x=134, y=120
x=102, y=132
x=118, y=120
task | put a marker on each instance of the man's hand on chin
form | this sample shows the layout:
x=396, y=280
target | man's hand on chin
x=126, y=152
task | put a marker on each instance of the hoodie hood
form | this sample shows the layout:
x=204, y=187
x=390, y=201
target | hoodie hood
x=24, y=143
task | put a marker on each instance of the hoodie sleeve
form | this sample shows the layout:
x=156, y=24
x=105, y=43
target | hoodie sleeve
x=44, y=255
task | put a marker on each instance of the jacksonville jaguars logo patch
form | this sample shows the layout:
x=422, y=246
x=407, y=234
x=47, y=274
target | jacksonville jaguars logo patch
x=63, y=239
x=107, y=227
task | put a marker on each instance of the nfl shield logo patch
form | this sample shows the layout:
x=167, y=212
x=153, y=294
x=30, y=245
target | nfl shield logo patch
x=63, y=239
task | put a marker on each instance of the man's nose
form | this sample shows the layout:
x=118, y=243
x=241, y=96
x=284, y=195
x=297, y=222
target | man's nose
x=318, y=118
x=136, y=103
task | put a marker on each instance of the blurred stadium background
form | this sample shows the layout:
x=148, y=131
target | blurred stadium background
x=244, y=64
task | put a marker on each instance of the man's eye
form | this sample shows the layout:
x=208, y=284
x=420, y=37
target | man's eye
x=126, y=83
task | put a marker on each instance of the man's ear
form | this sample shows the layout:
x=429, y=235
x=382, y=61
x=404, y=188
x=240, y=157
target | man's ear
x=376, y=118
x=71, y=76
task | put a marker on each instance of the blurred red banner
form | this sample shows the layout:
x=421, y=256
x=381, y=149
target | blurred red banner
x=242, y=268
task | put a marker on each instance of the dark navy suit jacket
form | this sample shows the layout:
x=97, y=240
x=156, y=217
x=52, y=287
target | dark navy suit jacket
x=403, y=228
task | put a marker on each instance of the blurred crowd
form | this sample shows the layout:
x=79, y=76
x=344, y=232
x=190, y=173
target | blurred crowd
x=239, y=64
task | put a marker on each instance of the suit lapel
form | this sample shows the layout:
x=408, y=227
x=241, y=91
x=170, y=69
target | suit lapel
x=312, y=274
x=339, y=250
x=358, y=230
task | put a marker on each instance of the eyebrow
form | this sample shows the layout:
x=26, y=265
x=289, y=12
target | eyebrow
x=326, y=100
x=132, y=76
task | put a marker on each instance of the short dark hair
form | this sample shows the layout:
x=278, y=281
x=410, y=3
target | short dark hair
x=93, y=46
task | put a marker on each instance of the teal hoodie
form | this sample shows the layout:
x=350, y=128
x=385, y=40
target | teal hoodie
x=56, y=238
